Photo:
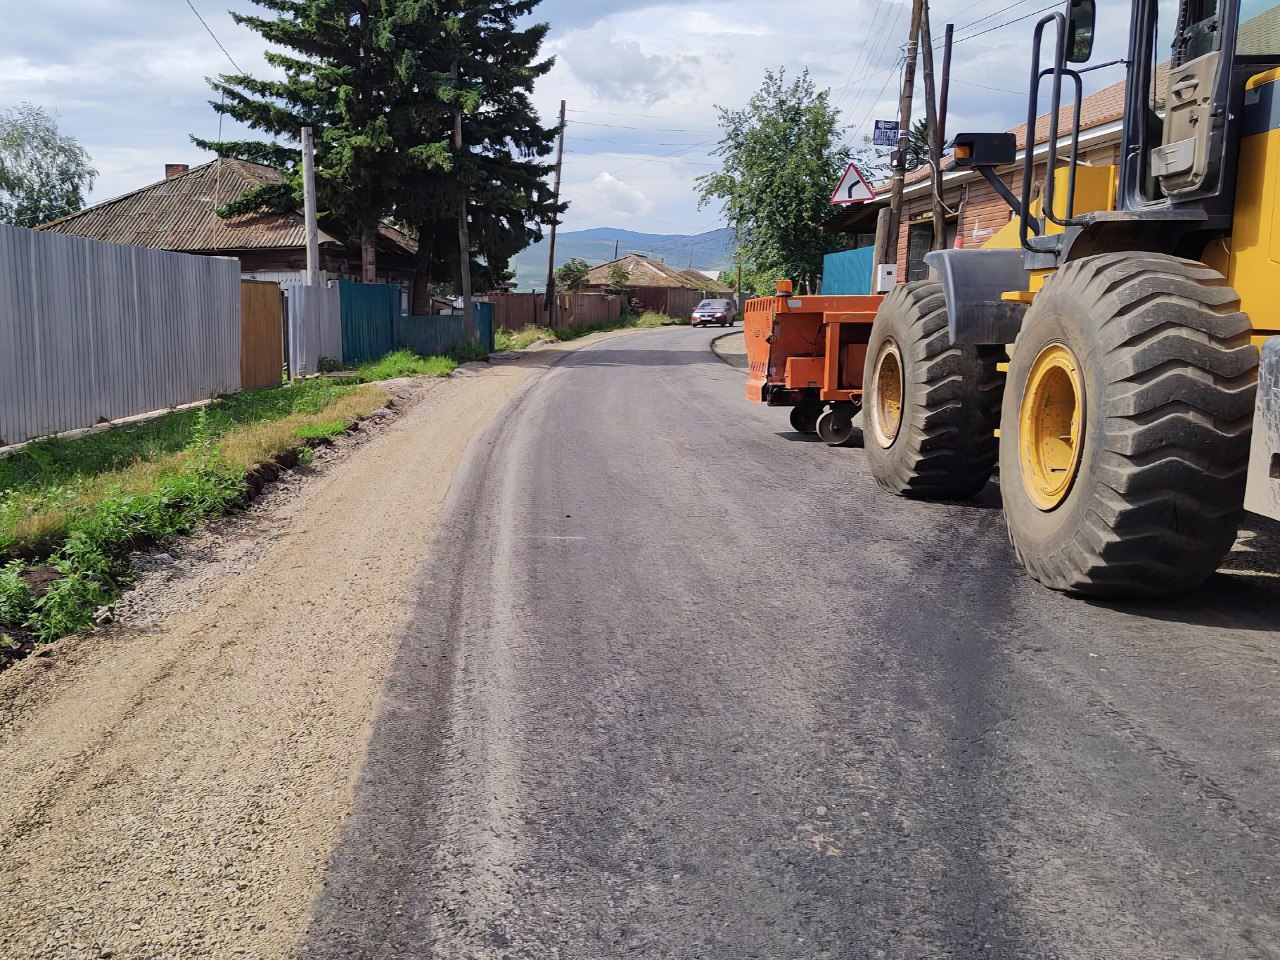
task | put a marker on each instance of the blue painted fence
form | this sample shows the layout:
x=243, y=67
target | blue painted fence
x=369, y=314
x=429, y=336
x=848, y=273
x=372, y=325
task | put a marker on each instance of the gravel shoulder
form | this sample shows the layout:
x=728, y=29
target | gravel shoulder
x=171, y=785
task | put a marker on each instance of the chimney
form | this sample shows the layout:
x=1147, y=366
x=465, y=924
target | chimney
x=172, y=170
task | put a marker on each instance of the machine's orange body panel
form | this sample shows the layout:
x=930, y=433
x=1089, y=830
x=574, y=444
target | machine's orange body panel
x=807, y=347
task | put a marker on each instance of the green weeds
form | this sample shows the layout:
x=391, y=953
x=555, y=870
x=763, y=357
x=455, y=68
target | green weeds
x=92, y=563
x=321, y=430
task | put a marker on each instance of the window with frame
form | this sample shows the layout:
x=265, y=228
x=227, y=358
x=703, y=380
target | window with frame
x=919, y=242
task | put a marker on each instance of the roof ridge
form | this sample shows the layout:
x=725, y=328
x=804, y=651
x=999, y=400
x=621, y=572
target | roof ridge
x=133, y=193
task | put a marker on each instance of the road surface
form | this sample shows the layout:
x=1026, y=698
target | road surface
x=683, y=684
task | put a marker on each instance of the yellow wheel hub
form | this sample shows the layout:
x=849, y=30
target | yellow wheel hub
x=886, y=412
x=1051, y=426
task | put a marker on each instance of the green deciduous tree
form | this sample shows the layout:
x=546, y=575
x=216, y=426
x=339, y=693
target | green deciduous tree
x=44, y=174
x=572, y=274
x=781, y=155
x=617, y=279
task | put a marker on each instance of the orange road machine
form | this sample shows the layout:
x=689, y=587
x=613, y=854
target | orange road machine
x=807, y=353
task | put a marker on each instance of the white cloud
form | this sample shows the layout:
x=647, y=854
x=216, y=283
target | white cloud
x=619, y=195
x=618, y=70
x=642, y=81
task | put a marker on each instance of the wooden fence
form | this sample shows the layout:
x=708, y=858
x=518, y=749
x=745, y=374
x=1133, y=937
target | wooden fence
x=261, y=334
x=671, y=301
x=574, y=311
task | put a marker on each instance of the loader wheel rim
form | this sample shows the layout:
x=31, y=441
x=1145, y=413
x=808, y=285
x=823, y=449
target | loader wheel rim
x=1050, y=426
x=886, y=411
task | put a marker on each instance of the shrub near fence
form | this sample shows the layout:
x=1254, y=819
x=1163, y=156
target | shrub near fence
x=93, y=331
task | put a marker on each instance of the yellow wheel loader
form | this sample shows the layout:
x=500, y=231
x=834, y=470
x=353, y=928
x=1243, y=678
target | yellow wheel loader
x=1109, y=337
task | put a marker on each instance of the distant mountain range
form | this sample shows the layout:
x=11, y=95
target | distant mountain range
x=703, y=251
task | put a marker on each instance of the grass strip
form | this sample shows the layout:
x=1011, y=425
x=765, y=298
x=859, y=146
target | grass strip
x=89, y=522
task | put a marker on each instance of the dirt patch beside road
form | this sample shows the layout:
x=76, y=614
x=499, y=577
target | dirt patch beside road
x=171, y=786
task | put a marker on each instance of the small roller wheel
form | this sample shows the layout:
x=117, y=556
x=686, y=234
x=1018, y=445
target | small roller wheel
x=804, y=416
x=835, y=425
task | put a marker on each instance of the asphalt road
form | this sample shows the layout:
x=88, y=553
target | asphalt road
x=684, y=684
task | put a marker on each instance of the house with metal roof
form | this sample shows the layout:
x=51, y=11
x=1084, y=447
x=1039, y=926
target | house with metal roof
x=179, y=213
x=653, y=285
x=644, y=271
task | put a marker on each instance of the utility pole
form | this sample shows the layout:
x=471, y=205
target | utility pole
x=935, y=133
x=309, y=207
x=888, y=252
x=945, y=90
x=555, y=219
x=464, y=231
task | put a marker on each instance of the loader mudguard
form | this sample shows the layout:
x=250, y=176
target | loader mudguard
x=973, y=282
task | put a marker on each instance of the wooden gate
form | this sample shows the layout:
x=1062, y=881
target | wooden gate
x=261, y=335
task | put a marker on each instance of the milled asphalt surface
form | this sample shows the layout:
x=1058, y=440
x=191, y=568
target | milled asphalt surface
x=683, y=684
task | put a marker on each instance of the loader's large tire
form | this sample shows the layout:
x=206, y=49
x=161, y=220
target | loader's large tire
x=944, y=444
x=1151, y=485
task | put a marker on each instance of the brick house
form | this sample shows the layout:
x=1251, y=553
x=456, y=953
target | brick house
x=978, y=210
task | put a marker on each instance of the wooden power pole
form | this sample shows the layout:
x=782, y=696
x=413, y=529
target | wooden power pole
x=935, y=133
x=555, y=220
x=888, y=253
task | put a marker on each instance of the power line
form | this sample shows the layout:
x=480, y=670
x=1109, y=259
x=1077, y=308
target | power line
x=856, y=105
x=619, y=126
x=998, y=26
x=983, y=86
x=214, y=35
x=861, y=59
x=990, y=16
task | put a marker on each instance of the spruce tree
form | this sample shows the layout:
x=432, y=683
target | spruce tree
x=483, y=63
x=338, y=58
x=381, y=81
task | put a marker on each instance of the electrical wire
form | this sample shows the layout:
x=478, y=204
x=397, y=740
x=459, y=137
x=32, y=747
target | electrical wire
x=213, y=35
x=999, y=26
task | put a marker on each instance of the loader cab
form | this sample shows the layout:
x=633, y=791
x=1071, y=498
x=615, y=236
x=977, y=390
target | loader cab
x=1183, y=111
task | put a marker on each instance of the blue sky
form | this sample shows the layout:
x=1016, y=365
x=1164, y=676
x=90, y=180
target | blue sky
x=642, y=81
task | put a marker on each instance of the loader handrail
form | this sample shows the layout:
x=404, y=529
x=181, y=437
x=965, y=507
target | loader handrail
x=1057, y=71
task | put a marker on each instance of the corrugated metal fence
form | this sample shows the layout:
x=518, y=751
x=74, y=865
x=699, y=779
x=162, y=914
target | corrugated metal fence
x=369, y=312
x=93, y=331
x=515, y=311
x=443, y=333
x=315, y=327
x=848, y=272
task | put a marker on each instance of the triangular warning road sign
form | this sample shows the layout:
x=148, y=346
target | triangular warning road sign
x=853, y=187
